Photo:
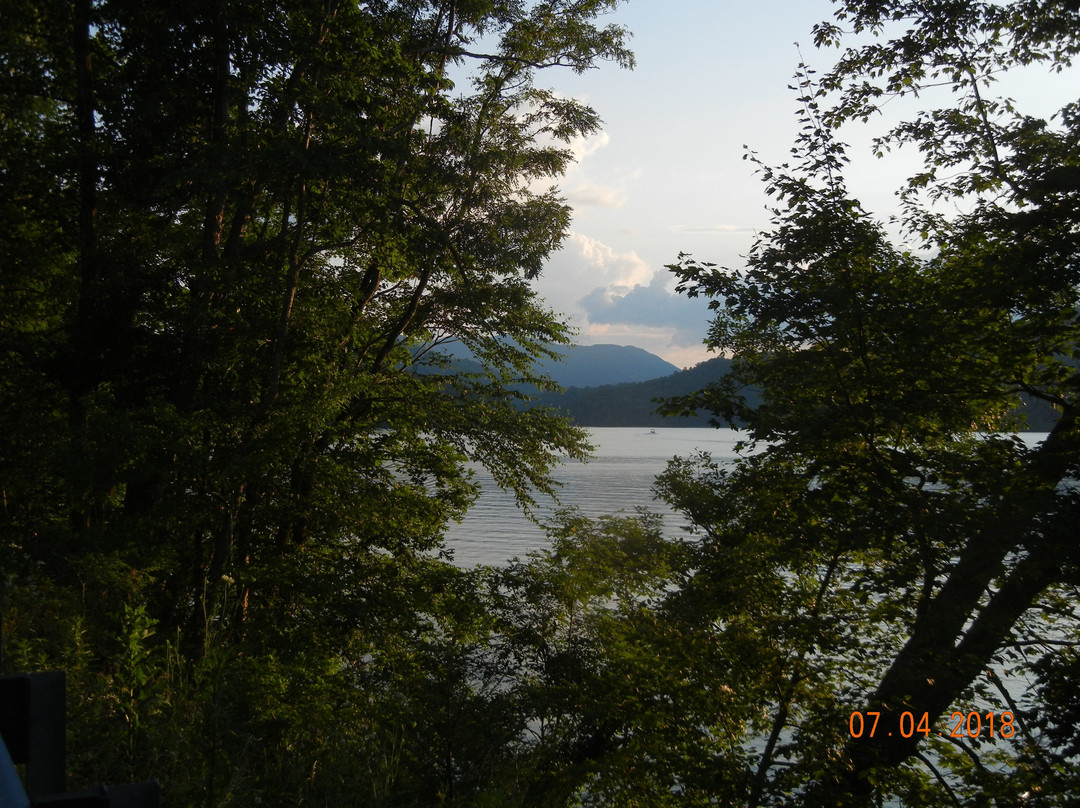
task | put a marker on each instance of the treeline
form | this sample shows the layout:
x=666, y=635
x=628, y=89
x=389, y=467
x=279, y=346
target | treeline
x=639, y=404
x=634, y=403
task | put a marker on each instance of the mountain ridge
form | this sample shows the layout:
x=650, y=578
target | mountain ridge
x=633, y=403
x=624, y=383
x=586, y=365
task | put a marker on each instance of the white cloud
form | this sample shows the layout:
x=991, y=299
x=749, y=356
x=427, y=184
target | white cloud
x=647, y=307
x=582, y=146
x=597, y=196
x=613, y=295
x=605, y=263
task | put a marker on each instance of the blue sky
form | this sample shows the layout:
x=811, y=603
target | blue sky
x=667, y=175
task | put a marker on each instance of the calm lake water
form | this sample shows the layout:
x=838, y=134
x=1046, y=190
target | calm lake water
x=619, y=478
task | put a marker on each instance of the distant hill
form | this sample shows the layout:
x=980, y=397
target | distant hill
x=1038, y=414
x=594, y=365
x=616, y=385
x=587, y=365
x=632, y=404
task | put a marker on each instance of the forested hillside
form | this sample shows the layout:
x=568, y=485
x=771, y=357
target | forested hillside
x=590, y=365
x=634, y=404
x=639, y=404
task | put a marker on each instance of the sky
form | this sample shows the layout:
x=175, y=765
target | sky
x=666, y=174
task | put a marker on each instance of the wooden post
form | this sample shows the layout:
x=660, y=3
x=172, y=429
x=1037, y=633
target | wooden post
x=32, y=720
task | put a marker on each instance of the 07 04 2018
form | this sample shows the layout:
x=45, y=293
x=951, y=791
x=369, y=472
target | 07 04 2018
x=960, y=725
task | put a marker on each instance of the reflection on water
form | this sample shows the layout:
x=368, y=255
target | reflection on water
x=619, y=478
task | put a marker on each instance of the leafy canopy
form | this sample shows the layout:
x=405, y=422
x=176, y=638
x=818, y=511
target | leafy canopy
x=893, y=546
x=235, y=233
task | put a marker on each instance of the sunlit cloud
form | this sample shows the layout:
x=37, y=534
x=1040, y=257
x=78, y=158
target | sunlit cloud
x=596, y=195
x=651, y=306
x=605, y=263
x=582, y=146
x=614, y=296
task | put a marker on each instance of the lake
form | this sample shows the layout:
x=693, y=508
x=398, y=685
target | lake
x=619, y=478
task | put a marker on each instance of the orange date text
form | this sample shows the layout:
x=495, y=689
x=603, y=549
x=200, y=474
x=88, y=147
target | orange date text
x=974, y=724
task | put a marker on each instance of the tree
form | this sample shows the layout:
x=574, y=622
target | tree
x=600, y=682
x=907, y=549
x=233, y=232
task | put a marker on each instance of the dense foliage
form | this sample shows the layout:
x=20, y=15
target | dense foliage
x=236, y=234
x=232, y=230
x=894, y=547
